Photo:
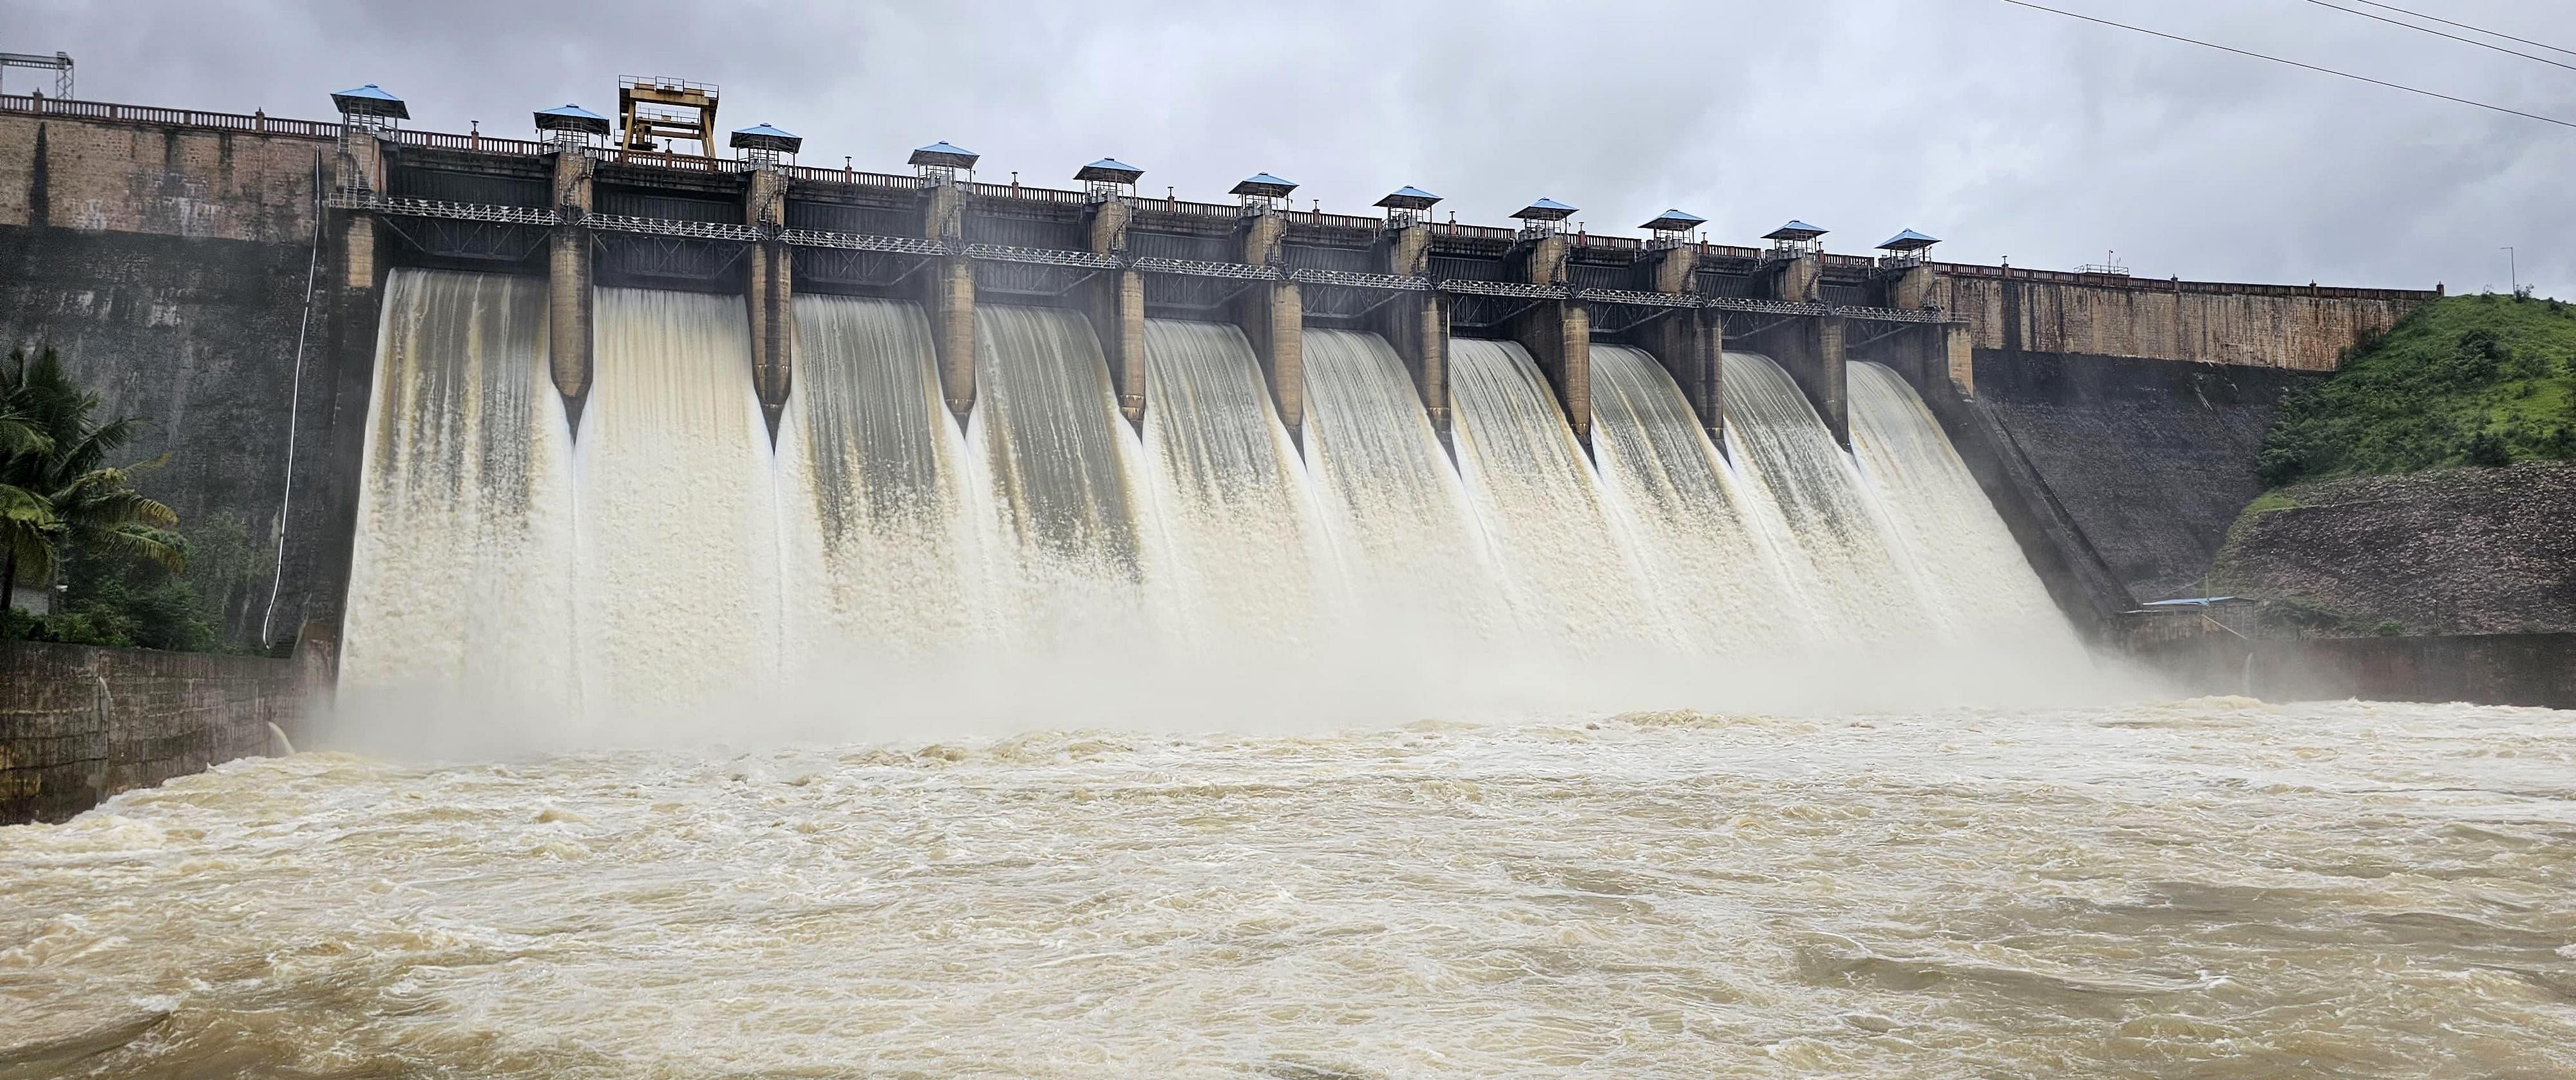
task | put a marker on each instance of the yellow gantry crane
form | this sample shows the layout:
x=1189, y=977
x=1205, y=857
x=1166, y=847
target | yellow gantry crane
x=654, y=111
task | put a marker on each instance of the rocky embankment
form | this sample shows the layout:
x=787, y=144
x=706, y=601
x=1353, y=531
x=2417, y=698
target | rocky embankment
x=2447, y=551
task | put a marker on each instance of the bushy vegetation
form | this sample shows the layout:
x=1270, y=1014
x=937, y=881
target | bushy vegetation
x=71, y=519
x=2468, y=380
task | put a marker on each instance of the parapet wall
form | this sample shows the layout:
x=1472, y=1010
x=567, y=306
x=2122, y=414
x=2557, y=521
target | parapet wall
x=103, y=175
x=2301, y=328
x=78, y=724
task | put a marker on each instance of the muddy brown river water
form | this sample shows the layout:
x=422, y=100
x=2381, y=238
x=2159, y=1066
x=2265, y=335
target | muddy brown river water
x=2215, y=888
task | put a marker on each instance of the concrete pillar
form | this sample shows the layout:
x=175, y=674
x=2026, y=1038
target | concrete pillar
x=1273, y=316
x=1691, y=343
x=950, y=300
x=1117, y=311
x=1418, y=327
x=1959, y=356
x=1558, y=334
x=1811, y=348
x=1913, y=288
x=770, y=295
x=568, y=286
x=1800, y=280
x=1261, y=235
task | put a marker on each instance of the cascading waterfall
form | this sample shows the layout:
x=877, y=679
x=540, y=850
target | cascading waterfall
x=1981, y=587
x=1571, y=584
x=1229, y=494
x=1843, y=558
x=888, y=556
x=1387, y=494
x=460, y=584
x=1063, y=490
x=1717, y=577
x=678, y=576
x=881, y=557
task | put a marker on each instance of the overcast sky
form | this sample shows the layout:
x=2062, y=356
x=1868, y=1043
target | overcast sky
x=2002, y=130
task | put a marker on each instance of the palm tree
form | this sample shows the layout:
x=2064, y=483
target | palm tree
x=55, y=485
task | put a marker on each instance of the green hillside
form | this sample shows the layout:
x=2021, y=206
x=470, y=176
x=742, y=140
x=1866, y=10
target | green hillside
x=2466, y=380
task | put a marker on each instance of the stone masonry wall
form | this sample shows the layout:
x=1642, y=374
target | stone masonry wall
x=78, y=724
x=2451, y=551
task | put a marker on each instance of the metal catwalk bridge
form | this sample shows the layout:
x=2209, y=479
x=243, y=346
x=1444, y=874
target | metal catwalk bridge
x=396, y=206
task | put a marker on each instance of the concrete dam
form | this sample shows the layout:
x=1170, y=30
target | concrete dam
x=576, y=424
x=757, y=620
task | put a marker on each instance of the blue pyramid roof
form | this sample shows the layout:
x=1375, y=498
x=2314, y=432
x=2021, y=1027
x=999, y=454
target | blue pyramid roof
x=572, y=118
x=370, y=100
x=1674, y=221
x=1409, y=197
x=1545, y=209
x=1909, y=240
x=1795, y=230
x=1264, y=184
x=1110, y=169
x=765, y=137
x=941, y=153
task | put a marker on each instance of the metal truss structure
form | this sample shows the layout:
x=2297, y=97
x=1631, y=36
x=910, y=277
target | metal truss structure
x=360, y=199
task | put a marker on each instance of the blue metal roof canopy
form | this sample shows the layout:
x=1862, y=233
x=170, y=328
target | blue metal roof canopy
x=1545, y=209
x=1409, y=197
x=370, y=100
x=761, y=143
x=1908, y=240
x=1110, y=171
x=572, y=118
x=1674, y=221
x=1264, y=185
x=941, y=154
x=765, y=137
x=1795, y=231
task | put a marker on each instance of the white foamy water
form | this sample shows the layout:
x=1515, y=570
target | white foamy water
x=2209, y=889
x=1838, y=549
x=1958, y=549
x=948, y=578
x=1573, y=584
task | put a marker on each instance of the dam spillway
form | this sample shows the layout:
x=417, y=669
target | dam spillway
x=665, y=556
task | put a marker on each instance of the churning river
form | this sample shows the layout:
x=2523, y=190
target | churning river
x=2216, y=888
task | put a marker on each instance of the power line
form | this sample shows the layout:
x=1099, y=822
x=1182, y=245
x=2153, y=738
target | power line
x=2293, y=63
x=2437, y=33
x=2465, y=26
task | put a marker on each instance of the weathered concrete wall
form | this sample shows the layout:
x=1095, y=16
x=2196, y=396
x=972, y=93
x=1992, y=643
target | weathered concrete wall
x=105, y=176
x=2484, y=669
x=199, y=337
x=2149, y=459
x=168, y=265
x=2452, y=551
x=2303, y=328
x=78, y=724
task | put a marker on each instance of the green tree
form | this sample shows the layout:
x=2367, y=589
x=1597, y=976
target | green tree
x=56, y=487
